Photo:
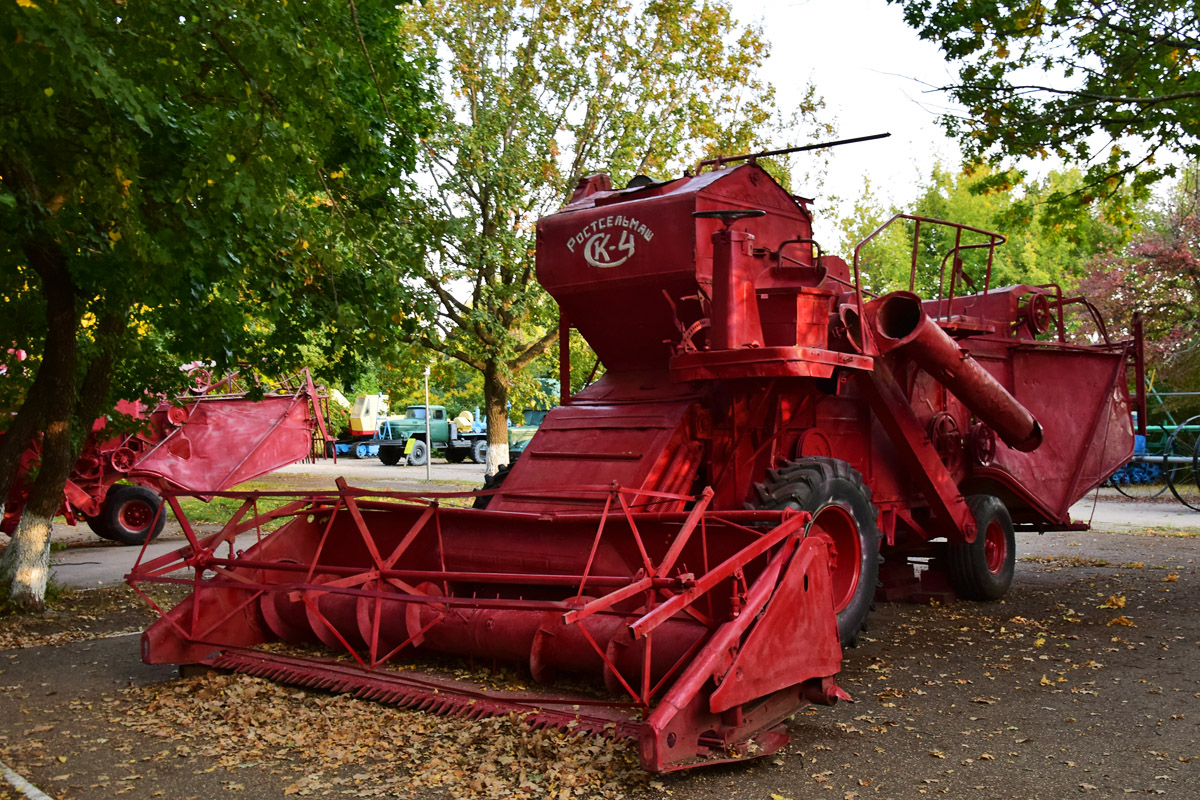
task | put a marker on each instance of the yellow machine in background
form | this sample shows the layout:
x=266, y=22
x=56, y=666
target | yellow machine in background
x=368, y=411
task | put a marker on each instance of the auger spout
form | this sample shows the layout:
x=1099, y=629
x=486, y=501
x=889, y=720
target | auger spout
x=901, y=325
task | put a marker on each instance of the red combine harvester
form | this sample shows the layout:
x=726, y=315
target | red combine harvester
x=210, y=440
x=699, y=532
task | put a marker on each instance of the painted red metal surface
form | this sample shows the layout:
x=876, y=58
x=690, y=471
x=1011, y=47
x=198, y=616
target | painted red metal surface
x=650, y=605
x=900, y=323
x=639, y=540
x=751, y=359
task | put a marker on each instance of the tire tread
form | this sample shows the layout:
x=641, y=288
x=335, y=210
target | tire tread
x=965, y=566
x=798, y=484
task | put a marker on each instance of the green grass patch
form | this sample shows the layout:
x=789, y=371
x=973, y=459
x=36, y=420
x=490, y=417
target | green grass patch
x=57, y=594
x=220, y=510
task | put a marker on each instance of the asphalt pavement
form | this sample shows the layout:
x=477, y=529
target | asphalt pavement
x=1081, y=681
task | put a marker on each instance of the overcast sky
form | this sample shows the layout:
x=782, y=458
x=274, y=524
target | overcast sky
x=868, y=65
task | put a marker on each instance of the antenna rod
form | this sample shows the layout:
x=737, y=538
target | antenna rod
x=802, y=148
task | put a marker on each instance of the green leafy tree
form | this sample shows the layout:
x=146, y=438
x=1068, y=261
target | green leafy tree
x=1040, y=249
x=1106, y=83
x=883, y=261
x=213, y=180
x=538, y=95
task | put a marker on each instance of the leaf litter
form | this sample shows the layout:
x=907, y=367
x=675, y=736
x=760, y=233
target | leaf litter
x=341, y=745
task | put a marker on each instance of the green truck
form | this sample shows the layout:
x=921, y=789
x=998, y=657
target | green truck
x=404, y=437
x=519, y=435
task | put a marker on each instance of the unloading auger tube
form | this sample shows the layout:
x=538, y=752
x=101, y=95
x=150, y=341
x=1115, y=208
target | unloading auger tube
x=901, y=326
x=689, y=541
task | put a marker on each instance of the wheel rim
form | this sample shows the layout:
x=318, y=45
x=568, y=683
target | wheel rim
x=136, y=515
x=1182, y=476
x=835, y=525
x=995, y=548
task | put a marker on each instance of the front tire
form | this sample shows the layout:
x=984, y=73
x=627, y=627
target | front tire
x=128, y=515
x=419, y=454
x=834, y=493
x=983, y=569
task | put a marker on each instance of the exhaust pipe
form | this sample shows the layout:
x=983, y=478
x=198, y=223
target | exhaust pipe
x=901, y=325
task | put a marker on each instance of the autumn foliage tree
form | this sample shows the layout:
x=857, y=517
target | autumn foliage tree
x=537, y=95
x=213, y=180
x=1158, y=276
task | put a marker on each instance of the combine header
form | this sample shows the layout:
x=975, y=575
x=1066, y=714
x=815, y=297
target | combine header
x=209, y=440
x=697, y=535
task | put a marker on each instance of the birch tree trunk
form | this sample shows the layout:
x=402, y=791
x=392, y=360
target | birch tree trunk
x=495, y=391
x=25, y=565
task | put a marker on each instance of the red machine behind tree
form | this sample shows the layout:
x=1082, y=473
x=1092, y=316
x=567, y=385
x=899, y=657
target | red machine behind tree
x=701, y=530
x=213, y=439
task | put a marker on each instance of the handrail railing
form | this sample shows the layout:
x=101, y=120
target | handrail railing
x=954, y=255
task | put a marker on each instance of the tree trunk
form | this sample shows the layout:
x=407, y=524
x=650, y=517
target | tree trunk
x=25, y=565
x=495, y=398
x=20, y=433
x=16, y=439
x=97, y=381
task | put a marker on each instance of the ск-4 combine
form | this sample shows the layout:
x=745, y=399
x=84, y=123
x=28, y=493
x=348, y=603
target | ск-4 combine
x=700, y=532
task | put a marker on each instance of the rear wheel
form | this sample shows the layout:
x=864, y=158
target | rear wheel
x=983, y=569
x=391, y=454
x=128, y=515
x=419, y=454
x=1181, y=463
x=479, y=451
x=456, y=456
x=1137, y=491
x=844, y=516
